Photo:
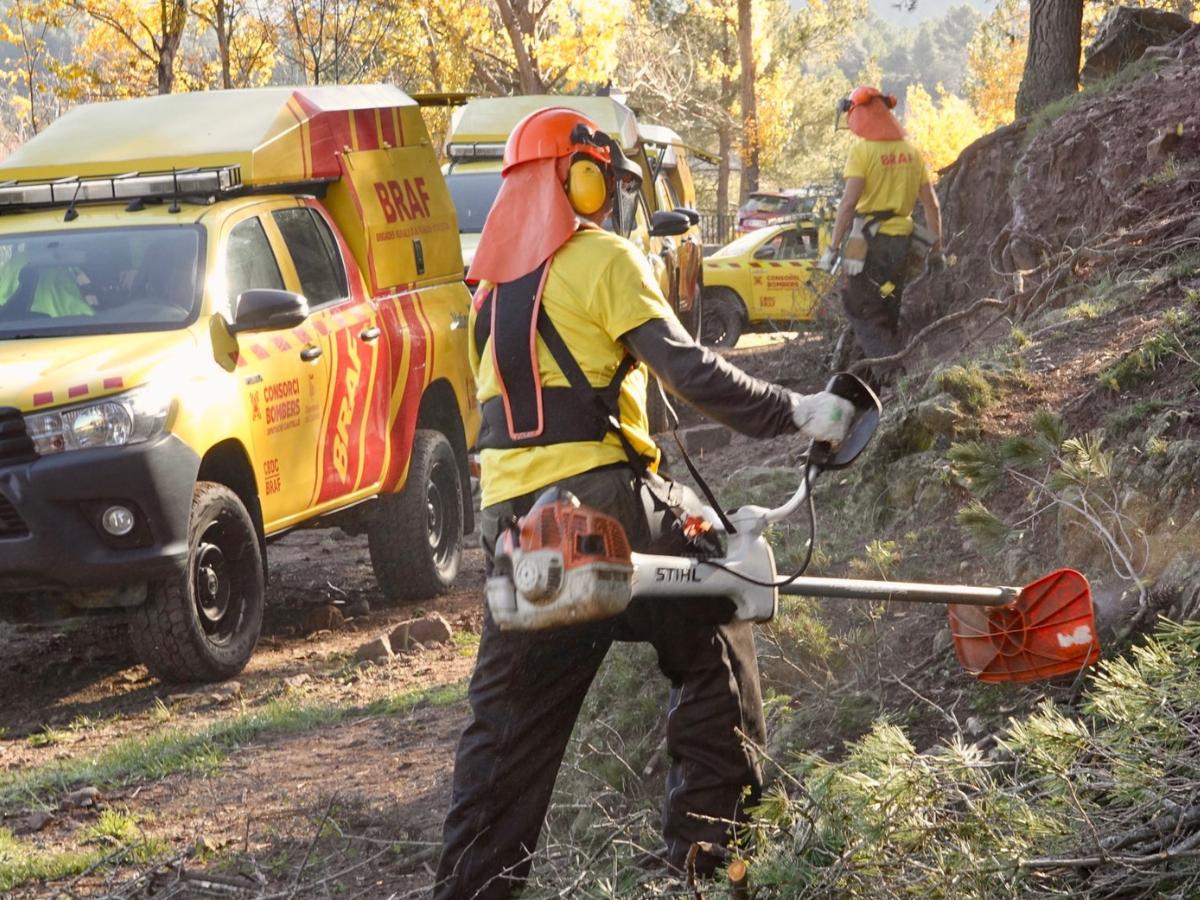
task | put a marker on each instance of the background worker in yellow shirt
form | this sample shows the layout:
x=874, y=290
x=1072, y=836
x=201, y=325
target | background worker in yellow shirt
x=885, y=176
x=566, y=321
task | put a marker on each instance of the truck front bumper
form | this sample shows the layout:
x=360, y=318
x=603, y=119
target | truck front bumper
x=51, y=512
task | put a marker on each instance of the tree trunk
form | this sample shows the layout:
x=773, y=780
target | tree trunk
x=1052, y=64
x=749, y=181
x=435, y=66
x=724, y=147
x=724, y=140
x=531, y=82
x=223, y=25
x=174, y=18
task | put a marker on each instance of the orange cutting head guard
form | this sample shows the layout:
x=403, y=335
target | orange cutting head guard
x=558, y=165
x=868, y=113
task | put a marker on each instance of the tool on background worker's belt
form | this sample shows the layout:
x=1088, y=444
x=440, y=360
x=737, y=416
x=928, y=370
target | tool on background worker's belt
x=565, y=564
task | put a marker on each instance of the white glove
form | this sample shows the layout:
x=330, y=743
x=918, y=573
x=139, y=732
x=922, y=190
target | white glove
x=823, y=416
x=825, y=263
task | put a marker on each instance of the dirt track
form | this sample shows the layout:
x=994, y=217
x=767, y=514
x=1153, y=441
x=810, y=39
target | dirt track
x=73, y=691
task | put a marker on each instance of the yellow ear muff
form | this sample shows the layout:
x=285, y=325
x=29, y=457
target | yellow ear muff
x=586, y=187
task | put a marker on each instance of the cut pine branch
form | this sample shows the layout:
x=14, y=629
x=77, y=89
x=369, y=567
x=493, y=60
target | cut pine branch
x=932, y=328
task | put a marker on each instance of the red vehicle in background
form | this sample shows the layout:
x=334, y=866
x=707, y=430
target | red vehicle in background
x=763, y=208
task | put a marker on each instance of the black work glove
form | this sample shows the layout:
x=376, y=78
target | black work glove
x=935, y=262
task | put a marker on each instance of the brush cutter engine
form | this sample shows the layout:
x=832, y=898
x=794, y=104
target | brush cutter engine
x=561, y=564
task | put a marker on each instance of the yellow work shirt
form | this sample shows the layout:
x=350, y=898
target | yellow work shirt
x=598, y=288
x=57, y=292
x=893, y=172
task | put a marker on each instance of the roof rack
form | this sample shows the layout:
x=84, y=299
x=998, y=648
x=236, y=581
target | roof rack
x=204, y=182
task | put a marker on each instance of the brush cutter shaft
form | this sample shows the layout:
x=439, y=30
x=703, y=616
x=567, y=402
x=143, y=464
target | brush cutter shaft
x=904, y=591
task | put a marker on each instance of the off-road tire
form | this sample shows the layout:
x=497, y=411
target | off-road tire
x=724, y=318
x=203, y=624
x=416, y=536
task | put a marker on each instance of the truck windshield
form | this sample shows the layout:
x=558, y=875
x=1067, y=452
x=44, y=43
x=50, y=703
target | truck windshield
x=99, y=281
x=768, y=203
x=473, y=194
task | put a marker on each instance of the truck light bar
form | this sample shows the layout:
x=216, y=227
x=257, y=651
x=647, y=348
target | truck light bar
x=130, y=186
x=475, y=151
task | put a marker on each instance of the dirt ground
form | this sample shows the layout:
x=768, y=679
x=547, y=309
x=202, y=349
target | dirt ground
x=73, y=691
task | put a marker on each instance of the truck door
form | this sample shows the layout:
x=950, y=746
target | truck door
x=354, y=425
x=783, y=274
x=285, y=378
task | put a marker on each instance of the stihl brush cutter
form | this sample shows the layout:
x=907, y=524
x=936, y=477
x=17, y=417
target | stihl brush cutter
x=564, y=564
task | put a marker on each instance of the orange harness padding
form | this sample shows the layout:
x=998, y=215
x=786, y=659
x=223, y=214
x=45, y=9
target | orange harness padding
x=508, y=320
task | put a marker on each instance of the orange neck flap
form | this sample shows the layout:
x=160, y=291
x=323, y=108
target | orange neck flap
x=530, y=219
x=875, y=122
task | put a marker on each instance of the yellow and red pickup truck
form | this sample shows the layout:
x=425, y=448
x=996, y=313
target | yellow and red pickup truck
x=224, y=315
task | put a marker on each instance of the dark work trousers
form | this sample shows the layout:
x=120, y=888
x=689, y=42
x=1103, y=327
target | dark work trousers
x=873, y=311
x=528, y=688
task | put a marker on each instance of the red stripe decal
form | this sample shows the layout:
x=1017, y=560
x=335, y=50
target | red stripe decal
x=387, y=127
x=77, y=390
x=387, y=358
x=364, y=123
x=321, y=327
x=260, y=351
x=113, y=383
x=329, y=135
x=303, y=335
x=241, y=361
x=41, y=398
x=430, y=364
x=406, y=422
x=281, y=343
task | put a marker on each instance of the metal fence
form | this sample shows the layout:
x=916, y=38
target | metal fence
x=717, y=230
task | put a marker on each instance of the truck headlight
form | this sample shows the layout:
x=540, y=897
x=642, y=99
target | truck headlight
x=128, y=418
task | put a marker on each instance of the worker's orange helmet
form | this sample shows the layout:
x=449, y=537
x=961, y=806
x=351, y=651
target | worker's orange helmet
x=551, y=134
x=863, y=95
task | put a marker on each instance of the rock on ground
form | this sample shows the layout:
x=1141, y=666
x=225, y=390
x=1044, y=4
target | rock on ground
x=430, y=629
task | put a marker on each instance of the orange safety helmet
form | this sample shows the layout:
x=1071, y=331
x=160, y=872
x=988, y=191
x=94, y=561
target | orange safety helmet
x=863, y=95
x=866, y=119
x=551, y=134
x=535, y=210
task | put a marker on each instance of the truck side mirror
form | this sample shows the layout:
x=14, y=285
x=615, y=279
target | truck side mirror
x=767, y=252
x=665, y=223
x=267, y=309
x=693, y=216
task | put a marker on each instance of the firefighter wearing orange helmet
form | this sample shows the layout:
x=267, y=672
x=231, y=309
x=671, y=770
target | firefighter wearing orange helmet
x=885, y=177
x=566, y=322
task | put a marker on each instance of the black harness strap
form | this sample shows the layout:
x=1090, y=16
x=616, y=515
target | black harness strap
x=603, y=403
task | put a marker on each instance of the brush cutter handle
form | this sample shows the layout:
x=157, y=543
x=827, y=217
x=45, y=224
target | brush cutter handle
x=822, y=454
x=867, y=408
x=904, y=591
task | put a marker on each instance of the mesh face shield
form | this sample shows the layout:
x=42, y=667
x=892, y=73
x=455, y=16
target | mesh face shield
x=625, y=199
x=841, y=114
